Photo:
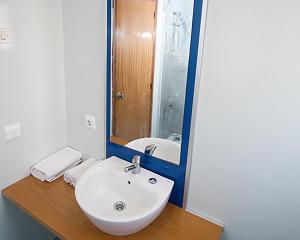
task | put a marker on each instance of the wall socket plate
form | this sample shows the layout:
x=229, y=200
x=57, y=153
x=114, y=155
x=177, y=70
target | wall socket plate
x=90, y=121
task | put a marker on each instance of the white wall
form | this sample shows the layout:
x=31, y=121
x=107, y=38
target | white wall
x=85, y=71
x=245, y=163
x=32, y=93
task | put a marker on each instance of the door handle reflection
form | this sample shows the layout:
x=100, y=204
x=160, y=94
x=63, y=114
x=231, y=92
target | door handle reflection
x=120, y=96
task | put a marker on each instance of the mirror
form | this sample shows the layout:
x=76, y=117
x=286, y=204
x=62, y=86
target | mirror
x=150, y=57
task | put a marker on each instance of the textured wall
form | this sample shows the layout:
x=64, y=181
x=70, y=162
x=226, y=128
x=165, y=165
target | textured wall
x=245, y=163
x=32, y=93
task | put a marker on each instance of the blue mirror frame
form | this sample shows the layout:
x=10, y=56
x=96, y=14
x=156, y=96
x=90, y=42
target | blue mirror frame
x=166, y=169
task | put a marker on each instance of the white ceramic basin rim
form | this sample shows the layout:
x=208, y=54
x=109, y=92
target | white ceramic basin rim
x=106, y=184
x=166, y=149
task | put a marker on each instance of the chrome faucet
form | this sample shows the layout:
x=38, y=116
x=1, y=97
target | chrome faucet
x=150, y=149
x=135, y=167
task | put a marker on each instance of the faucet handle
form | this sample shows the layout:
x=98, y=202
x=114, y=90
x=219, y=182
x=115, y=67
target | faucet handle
x=136, y=160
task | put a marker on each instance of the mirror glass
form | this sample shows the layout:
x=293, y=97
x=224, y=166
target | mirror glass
x=150, y=55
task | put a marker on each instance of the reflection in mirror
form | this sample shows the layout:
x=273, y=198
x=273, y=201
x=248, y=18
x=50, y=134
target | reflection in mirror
x=151, y=42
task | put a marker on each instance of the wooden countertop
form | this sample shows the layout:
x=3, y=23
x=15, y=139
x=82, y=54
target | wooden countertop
x=54, y=206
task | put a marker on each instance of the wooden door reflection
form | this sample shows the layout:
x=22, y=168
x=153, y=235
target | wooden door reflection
x=133, y=67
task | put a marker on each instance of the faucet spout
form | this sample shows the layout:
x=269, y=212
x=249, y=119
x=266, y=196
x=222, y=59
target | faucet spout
x=150, y=149
x=129, y=168
x=135, y=167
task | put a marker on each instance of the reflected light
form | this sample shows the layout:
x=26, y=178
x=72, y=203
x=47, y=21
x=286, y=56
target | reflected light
x=147, y=35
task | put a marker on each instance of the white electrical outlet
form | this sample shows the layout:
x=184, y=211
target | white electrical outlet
x=90, y=121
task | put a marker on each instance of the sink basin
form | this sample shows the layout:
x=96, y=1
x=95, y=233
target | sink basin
x=121, y=203
x=167, y=150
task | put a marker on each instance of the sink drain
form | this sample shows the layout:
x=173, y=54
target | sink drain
x=152, y=180
x=119, y=206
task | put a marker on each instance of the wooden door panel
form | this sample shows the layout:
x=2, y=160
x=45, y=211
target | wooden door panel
x=134, y=40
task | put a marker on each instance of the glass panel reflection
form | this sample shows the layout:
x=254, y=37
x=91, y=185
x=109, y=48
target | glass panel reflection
x=150, y=62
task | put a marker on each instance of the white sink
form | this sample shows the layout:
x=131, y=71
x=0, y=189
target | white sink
x=106, y=186
x=166, y=150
